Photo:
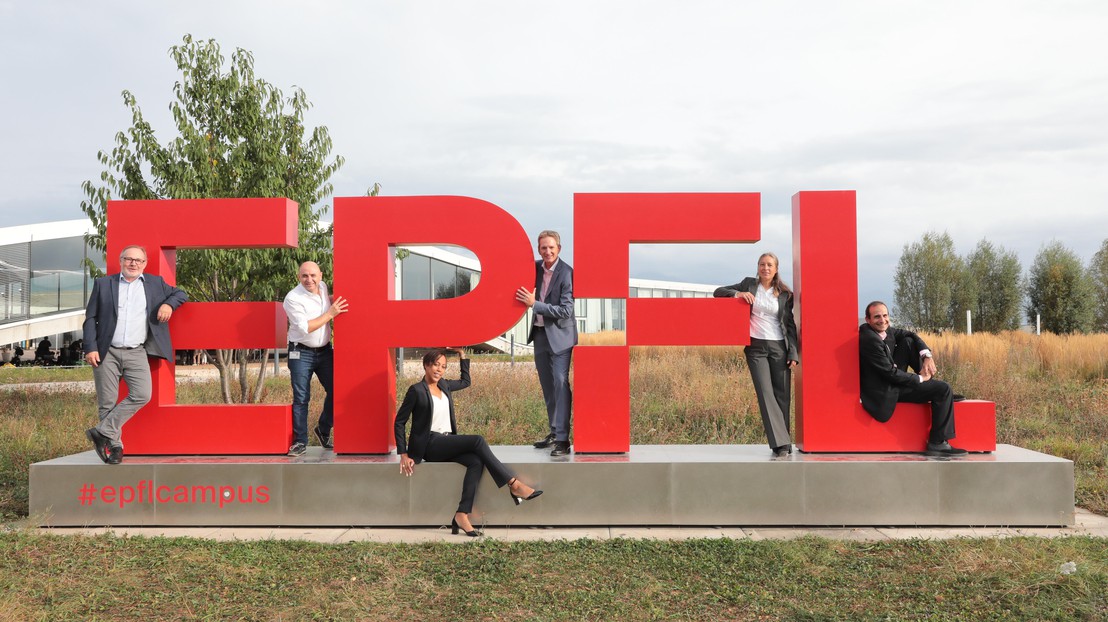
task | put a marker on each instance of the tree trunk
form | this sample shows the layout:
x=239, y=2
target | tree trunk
x=244, y=377
x=259, y=388
x=222, y=360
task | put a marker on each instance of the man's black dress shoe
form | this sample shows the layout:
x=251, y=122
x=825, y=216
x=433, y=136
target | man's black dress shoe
x=100, y=443
x=115, y=455
x=547, y=441
x=561, y=448
x=944, y=449
x=324, y=440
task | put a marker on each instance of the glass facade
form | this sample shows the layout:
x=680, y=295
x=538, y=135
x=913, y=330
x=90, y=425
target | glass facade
x=40, y=277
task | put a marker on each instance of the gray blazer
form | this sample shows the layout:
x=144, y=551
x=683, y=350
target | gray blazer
x=784, y=311
x=101, y=315
x=557, y=308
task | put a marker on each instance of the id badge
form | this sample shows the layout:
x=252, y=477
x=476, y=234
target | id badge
x=294, y=354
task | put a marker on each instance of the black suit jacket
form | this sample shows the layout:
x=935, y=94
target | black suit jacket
x=418, y=406
x=784, y=311
x=101, y=314
x=884, y=366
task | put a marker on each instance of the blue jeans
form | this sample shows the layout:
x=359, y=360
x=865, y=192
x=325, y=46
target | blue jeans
x=321, y=363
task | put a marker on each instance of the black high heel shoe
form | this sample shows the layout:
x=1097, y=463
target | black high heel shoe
x=519, y=500
x=454, y=529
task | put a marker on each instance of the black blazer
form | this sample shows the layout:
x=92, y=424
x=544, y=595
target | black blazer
x=784, y=311
x=101, y=315
x=417, y=405
x=884, y=367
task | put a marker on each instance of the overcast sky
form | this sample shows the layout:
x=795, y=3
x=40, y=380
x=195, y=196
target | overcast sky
x=983, y=119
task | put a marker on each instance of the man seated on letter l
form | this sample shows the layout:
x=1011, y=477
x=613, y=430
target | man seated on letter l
x=884, y=354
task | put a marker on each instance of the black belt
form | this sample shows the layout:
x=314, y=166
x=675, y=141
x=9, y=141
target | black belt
x=126, y=347
x=296, y=346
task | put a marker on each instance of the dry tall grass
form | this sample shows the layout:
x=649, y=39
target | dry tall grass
x=1051, y=394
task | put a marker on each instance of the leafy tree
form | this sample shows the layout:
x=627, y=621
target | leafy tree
x=999, y=278
x=1098, y=274
x=236, y=136
x=1060, y=291
x=933, y=285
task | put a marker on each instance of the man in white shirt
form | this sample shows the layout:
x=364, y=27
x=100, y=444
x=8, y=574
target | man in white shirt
x=310, y=310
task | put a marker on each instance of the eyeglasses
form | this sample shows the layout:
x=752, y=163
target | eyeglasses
x=137, y=260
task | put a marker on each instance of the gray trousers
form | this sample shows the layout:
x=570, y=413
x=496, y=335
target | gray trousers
x=131, y=366
x=554, y=379
x=769, y=370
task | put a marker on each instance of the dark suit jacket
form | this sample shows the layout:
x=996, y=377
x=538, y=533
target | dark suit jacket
x=784, y=311
x=884, y=367
x=417, y=405
x=101, y=314
x=556, y=308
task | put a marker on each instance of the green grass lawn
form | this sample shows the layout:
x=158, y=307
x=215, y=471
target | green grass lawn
x=110, y=578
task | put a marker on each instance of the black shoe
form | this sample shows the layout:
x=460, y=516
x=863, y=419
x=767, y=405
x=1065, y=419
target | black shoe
x=324, y=440
x=547, y=441
x=782, y=453
x=115, y=455
x=519, y=500
x=100, y=443
x=298, y=449
x=944, y=449
x=454, y=529
x=561, y=448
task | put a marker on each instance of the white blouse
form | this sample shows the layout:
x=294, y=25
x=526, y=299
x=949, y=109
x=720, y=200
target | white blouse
x=440, y=416
x=763, y=316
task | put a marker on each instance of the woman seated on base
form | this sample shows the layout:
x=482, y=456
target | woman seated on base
x=434, y=438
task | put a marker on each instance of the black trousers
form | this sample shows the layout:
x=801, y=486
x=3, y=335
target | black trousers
x=472, y=452
x=940, y=396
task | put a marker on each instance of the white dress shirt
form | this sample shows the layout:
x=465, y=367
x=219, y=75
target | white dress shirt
x=130, y=314
x=440, y=416
x=302, y=306
x=763, y=316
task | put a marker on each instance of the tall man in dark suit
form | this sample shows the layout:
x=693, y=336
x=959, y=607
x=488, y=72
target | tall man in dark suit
x=554, y=333
x=125, y=322
x=885, y=353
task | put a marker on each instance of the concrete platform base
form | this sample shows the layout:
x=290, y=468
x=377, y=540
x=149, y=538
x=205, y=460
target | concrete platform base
x=672, y=485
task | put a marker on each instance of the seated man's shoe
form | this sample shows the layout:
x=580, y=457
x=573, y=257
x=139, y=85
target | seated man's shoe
x=561, y=448
x=100, y=443
x=782, y=452
x=545, y=442
x=115, y=455
x=298, y=449
x=944, y=449
x=324, y=440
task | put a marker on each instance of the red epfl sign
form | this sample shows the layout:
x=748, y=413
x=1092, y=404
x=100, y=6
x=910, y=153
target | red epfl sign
x=825, y=272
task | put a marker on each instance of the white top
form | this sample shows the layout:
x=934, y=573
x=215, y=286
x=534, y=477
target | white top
x=763, y=316
x=130, y=323
x=301, y=306
x=440, y=416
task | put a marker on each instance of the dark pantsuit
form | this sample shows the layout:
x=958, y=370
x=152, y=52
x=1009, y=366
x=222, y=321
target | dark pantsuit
x=772, y=378
x=472, y=452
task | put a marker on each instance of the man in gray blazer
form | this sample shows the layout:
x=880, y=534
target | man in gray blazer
x=554, y=333
x=125, y=322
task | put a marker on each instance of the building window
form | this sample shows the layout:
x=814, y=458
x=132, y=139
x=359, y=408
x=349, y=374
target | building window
x=416, y=277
